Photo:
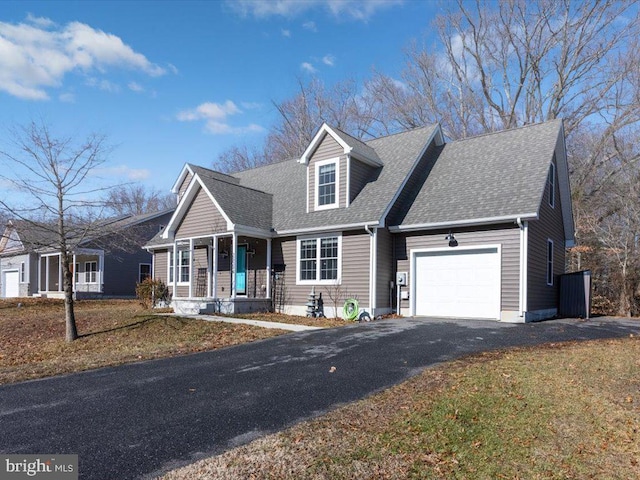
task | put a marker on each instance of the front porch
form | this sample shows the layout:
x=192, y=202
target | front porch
x=88, y=273
x=221, y=273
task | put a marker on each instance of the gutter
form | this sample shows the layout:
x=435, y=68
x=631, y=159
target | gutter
x=463, y=223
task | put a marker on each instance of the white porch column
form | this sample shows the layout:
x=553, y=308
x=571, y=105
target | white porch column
x=174, y=256
x=214, y=268
x=268, y=292
x=234, y=264
x=46, y=272
x=60, y=288
x=101, y=271
x=73, y=279
x=191, y=268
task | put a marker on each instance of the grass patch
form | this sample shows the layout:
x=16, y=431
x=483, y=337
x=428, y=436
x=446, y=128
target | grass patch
x=112, y=332
x=557, y=412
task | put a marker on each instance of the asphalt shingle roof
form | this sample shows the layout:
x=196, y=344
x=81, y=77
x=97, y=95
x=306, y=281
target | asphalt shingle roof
x=287, y=182
x=494, y=175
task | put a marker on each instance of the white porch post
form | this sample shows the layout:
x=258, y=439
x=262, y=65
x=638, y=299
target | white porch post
x=268, y=292
x=174, y=255
x=191, y=268
x=214, y=268
x=46, y=272
x=73, y=279
x=234, y=264
x=60, y=289
x=101, y=271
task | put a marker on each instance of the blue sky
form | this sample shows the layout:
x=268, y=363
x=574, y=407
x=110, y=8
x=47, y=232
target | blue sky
x=174, y=82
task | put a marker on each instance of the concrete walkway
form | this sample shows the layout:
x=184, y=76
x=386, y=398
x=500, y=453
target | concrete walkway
x=256, y=323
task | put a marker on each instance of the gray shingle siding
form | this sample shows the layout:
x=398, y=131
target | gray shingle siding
x=385, y=268
x=549, y=226
x=508, y=236
x=201, y=218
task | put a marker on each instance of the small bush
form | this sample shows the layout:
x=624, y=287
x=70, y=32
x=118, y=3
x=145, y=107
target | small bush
x=151, y=291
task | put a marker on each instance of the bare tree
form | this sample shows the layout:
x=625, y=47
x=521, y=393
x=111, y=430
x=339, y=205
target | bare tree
x=53, y=192
x=342, y=106
x=135, y=199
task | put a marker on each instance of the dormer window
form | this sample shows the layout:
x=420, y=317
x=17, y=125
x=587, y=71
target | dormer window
x=326, y=184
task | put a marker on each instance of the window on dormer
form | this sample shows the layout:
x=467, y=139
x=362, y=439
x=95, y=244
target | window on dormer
x=327, y=184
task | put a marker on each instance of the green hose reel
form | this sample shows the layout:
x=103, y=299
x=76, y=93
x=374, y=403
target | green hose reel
x=350, y=311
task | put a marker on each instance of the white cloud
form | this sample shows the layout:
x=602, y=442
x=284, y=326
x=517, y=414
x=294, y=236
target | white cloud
x=310, y=25
x=124, y=171
x=135, y=87
x=286, y=33
x=329, y=60
x=215, y=116
x=307, y=67
x=67, y=97
x=353, y=9
x=103, y=84
x=37, y=55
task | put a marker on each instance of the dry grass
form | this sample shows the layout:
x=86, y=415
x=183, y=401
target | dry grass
x=560, y=412
x=112, y=332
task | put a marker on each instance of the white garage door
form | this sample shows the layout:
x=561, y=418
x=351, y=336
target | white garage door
x=10, y=284
x=458, y=283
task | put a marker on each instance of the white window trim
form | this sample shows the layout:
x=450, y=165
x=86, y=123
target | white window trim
x=319, y=164
x=76, y=272
x=88, y=272
x=317, y=281
x=550, y=262
x=551, y=181
x=139, y=270
x=170, y=272
x=179, y=267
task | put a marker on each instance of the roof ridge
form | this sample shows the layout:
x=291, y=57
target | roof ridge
x=505, y=130
x=240, y=185
x=410, y=130
x=217, y=172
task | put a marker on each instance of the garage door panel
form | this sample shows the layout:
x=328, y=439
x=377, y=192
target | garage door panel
x=11, y=285
x=463, y=283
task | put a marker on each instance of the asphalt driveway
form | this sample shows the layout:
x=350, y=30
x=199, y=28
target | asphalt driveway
x=138, y=420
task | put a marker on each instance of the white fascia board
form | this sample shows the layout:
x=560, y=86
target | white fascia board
x=252, y=231
x=183, y=173
x=562, y=171
x=152, y=248
x=186, y=200
x=326, y=228
x=439, y=140
x=462, y=223
x=314, y=143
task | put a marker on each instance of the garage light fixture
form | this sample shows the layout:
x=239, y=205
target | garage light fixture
x=452, y=240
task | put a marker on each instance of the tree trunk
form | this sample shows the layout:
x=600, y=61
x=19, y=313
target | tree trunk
x=69, y=314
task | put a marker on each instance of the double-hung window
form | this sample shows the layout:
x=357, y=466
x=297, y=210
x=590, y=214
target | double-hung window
x=170, y=266
x=90, y=272
x=319, y=260
x=183, y=266
x=144, y=271
x=549, y=262
x=326, y=184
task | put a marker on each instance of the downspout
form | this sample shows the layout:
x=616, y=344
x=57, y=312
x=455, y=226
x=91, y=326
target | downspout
x=373, y=271
x=523, y=267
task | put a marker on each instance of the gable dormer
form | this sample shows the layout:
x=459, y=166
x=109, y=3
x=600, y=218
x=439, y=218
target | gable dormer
x=338, y=167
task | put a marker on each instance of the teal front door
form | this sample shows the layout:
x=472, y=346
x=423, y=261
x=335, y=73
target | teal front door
x=241, y=270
